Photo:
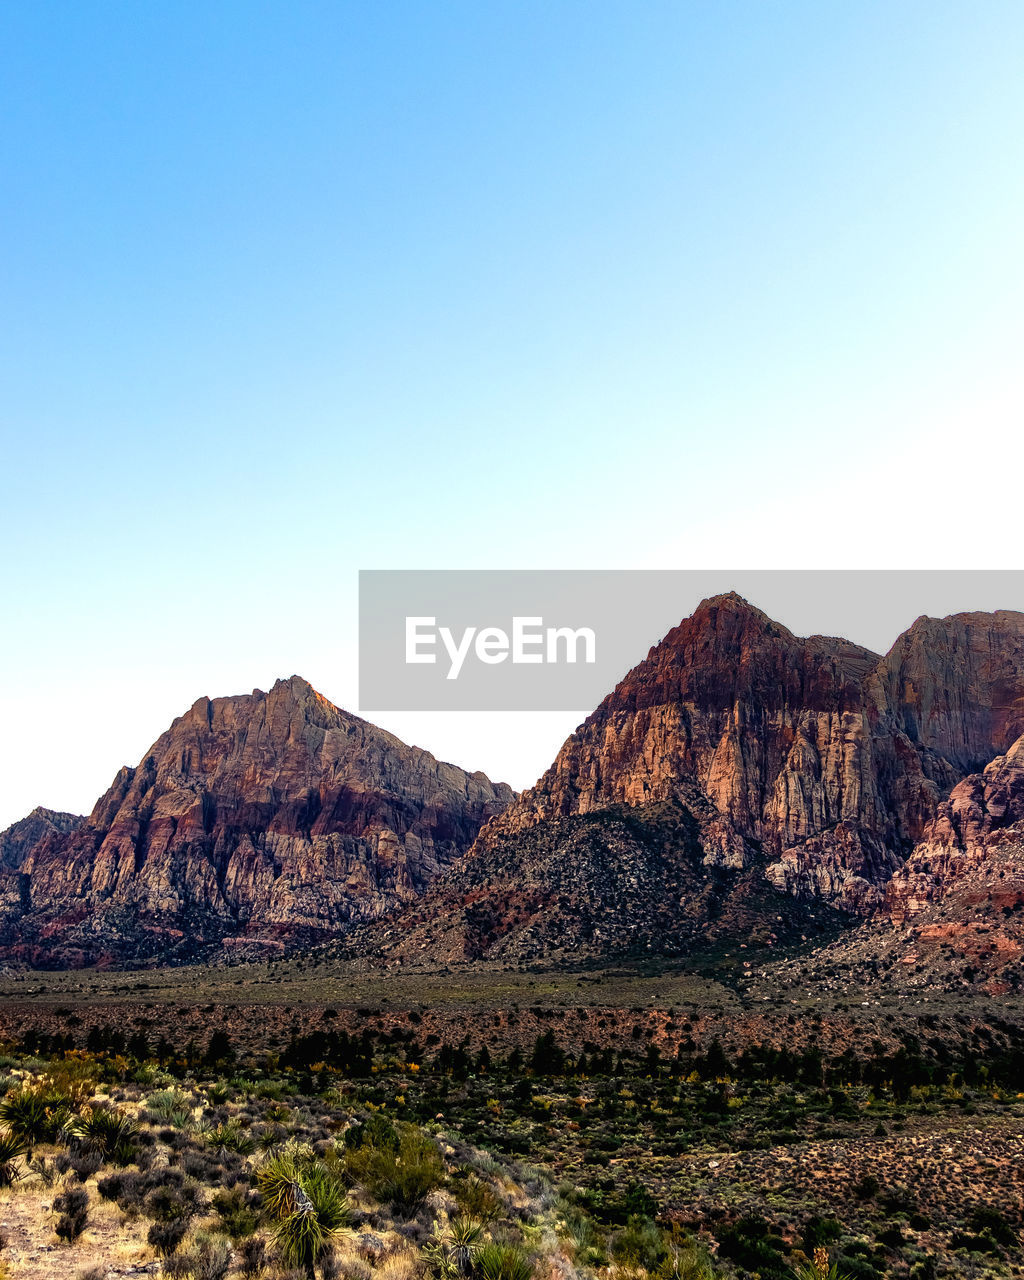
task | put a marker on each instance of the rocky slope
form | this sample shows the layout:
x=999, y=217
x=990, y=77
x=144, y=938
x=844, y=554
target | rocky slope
x=18, y=841
x=736, y=754
x=267, y=816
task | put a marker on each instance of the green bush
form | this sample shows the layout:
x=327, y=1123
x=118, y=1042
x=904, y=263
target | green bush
x=399, y=1175
x=237, y=1218
x=639, y=1244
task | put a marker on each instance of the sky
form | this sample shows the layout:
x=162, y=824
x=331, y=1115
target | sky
x=293, y=290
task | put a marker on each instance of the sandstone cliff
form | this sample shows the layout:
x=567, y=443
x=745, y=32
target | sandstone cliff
x=827, y=758
x=736, y=753
x=265, y=816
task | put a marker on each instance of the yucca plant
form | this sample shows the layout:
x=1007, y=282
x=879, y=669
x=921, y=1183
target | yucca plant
x=451, y=1250
x=12, y=1149
x=231, y=1137
x=103, y=1132
x=503, y=1262
x=821, y=1268
x=308, y=1203
x=687, y=1262
x=171, y=1105
x=34, y=1115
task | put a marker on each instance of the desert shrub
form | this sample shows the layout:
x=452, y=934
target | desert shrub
x=686, y=1261
x=86, y=1165
x=891, y=1236
x=73, y=1207
x=253, y=1256
x=172, y=1199
x=991, y=1221
x=475, y=1198
x=166, y=1236
x=209, y=1260
x=237, y=1216
x=818, y=1231
x=750, y=1243
x=13, y=1147
x=497, y=1261
x=639, y=1244
x=857, y=1268
x=399, y=1172
x=125, y=1189
x=45, y=1170
x=91, y=1273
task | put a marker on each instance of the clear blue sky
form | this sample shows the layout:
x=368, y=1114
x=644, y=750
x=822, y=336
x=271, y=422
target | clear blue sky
x=287, y=290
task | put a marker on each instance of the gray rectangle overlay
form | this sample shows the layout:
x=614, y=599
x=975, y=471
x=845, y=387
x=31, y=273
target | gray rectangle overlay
x=560, y=640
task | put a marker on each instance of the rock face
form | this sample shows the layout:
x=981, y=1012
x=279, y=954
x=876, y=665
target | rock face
x=820, y=754
x=811, y=764
x=973, y=847
x=18, y=841
x=267, y=816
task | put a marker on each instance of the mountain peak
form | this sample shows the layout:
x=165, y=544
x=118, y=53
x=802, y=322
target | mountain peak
x=252, y=819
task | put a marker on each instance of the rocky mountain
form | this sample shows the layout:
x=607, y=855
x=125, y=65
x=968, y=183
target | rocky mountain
x=739, y=758
x=263, y=818
x=18, y=841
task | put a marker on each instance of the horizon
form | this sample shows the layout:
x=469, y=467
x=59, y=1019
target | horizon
x=847, y=594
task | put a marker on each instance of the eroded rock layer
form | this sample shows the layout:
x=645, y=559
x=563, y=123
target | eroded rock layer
x=264, y=817
x=812, y=764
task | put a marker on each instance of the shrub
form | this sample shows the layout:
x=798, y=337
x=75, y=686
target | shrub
x=819, y=1231
x=45, y=1170
x=209, y=1260
x=686, y=1262
x=253, y=1256
x=400, y=1175
x=73, y=1207
x=166, y=1236
x=639, y=1244
x=86, y=1165
x=990, y=1221
x=174, y=1200
x=237, y=1217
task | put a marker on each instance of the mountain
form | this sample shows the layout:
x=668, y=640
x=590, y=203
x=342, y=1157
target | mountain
x=18, y=841
x=262, y=818
x=733, y=779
